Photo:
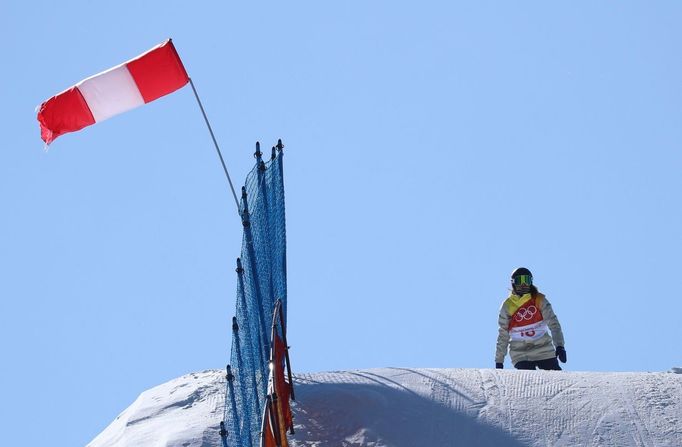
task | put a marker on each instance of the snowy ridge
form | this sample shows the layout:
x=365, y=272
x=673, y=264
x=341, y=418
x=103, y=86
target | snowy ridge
x=409, y=407
x=182, y=412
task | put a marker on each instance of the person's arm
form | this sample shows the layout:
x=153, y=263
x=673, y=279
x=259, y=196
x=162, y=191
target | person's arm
x=553, y=323
x=502, y=336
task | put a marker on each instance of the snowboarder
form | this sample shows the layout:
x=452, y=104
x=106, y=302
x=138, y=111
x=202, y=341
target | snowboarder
x=525, y=318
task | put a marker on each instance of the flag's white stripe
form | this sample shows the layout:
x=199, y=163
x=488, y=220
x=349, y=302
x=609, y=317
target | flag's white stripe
x=111, y=92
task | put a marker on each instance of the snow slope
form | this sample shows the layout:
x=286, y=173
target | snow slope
x=182, y=412
x=409, y=407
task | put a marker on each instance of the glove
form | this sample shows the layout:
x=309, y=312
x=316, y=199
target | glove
x=561, y=353
x=499, y=365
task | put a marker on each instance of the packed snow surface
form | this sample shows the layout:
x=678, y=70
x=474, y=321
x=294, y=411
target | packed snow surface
x=410, y=407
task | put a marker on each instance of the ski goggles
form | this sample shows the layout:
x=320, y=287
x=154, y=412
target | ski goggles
x=522, y=280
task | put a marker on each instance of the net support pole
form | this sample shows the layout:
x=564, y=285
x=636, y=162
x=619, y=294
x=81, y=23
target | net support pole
x=253, y=377
x=233, y=407
x=257, y=292
x=223, y=433
x=210, y=130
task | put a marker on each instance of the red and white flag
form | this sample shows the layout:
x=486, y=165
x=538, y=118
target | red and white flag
x=143, y=79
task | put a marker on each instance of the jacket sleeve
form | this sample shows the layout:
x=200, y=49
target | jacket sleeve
x=553, y=323
x=502, y=336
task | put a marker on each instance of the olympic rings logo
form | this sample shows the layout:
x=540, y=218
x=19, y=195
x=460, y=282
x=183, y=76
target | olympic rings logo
x=526, y=314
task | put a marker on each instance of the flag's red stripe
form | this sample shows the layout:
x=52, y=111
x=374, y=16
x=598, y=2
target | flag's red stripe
x=65, y=112
x=158, y=72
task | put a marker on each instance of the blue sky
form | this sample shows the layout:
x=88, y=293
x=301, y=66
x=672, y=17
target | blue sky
x=431, y=148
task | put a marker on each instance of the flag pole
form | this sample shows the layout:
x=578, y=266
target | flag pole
x=222, y=161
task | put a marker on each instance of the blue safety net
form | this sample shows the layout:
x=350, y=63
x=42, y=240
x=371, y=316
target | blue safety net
x=262, y=279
